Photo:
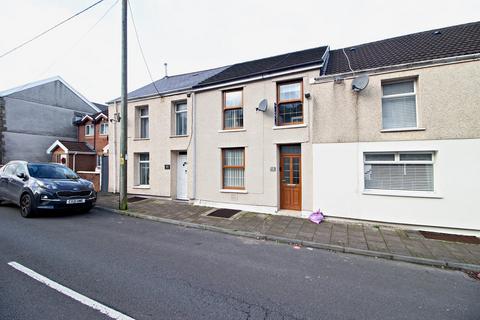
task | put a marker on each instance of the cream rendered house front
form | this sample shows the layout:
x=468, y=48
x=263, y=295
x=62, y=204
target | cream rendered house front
x=159, y=136
x=276, y=156
x=288, y=135
x=424, y=174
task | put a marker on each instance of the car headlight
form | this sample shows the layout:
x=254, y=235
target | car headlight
x=46, y=186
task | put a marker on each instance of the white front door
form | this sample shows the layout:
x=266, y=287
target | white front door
x=182, y=176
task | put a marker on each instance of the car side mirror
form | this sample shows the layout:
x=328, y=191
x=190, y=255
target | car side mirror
x=22, y=176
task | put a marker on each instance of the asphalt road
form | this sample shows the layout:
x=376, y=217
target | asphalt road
x=150, y=270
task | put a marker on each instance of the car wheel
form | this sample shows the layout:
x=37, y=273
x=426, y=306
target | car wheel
x=26, y=206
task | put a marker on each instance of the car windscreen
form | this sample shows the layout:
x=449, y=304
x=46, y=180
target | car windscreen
x=48, y=171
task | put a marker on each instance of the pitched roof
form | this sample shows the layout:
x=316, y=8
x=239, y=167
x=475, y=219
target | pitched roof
x=446, y=42
x=74, y=146
x=92, y=117
x=48, y=80
x=268, y=65
x=101, y=106
x=172, y=84
x=70, y=146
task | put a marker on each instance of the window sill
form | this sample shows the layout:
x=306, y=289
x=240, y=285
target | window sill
x=400, y=193
x=179, y=136
x=402, y=129
x=233, y=191
x=233, y=130
x=143, y=186
x=140, y=139
x=290, y=126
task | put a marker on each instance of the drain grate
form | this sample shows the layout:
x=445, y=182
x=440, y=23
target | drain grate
x=136, y=199
x=223, y=213
x=450, y=237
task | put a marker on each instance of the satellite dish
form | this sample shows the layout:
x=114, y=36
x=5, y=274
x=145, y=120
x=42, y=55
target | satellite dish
x=360, y=83
x=263, y=105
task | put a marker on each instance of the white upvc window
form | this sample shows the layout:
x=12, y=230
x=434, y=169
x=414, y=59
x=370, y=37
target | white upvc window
x=180, y=119
x=399, y=105
x=142, y=122
x=403, y=171
x=143, y=169
x=104, y=128
x=89, y=130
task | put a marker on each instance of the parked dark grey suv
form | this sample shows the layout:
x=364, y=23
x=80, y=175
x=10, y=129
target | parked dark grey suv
x=35, y=186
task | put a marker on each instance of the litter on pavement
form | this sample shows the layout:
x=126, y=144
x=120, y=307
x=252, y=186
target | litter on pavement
x=316, y=217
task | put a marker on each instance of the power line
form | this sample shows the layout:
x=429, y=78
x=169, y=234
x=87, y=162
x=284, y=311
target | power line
x=141, y=50
x=80, y=39
x=50, y=29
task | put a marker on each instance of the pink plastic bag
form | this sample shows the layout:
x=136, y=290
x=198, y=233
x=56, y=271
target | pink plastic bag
x=316, y=217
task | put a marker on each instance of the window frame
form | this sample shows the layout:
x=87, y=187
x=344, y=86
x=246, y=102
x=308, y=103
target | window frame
x=176, y=112
x=98, y=161
x=139, y=163
x=103, y=125
x=139, y=121
x=89, y=130
x=393, y=192
x=232, y=167
x=301, y=100
x=400, y=95
x=225, y=108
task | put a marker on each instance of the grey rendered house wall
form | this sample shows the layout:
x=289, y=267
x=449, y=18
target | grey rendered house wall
x=36, y=117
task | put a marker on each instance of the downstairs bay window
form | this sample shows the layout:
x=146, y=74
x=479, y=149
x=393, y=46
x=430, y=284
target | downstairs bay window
x=399, y=171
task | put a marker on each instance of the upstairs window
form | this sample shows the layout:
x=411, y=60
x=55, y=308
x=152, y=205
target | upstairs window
x=104, y=128
x=181, y=119
x=233, y=109
x=89, y=130
x=233, y=166
x=289, y=103
x=399, y=107
x=143, y=122
x=408, y=171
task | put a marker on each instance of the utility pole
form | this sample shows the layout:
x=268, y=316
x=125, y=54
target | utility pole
x=123, y=204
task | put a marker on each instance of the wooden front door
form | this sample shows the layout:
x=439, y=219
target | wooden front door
x=290, y=179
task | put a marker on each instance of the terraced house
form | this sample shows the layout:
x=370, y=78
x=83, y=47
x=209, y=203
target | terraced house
x=387, y=131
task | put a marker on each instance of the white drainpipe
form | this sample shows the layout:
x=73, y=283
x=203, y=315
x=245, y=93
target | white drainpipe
x=194, y=147
x=74, y=158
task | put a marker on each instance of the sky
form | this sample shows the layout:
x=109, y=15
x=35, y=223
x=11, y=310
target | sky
x=194, y=35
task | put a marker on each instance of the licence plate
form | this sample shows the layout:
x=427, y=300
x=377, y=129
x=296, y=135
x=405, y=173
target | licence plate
x=73, y=201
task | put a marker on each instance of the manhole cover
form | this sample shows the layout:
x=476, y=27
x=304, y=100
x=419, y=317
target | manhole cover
x=223, y=213
x=136, y=199
x=450, y=237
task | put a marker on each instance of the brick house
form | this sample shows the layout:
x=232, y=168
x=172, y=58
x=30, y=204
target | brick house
x=88, y=155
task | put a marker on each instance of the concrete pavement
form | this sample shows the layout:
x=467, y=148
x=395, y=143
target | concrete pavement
x=151, y=270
